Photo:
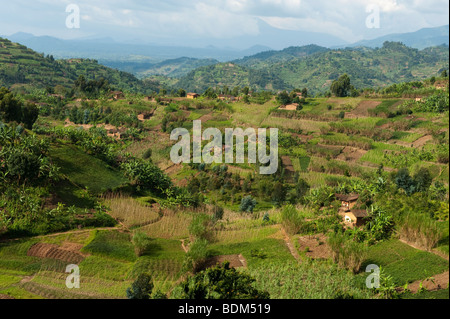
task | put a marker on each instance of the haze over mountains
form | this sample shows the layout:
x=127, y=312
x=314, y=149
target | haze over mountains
x=106, y=50
x=370, y=63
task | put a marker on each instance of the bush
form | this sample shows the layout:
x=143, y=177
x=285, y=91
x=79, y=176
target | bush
x=196, y=256
x=141, y=243
x=142, y=288
x=220, y=282
x=291, y=220
x=199, y=227
x=420, y=229
x=218, y=213
x=346, y=252
x=247, y=204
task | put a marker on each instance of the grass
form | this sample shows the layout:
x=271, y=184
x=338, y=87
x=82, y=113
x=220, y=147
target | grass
x=84, y=170
x=171, y=226
x=274, y=249
x=375, y=155
x=111, y=244
x=404, y=263
x=163, y=261
x=129, y=211
x=439, y=294
x=311, y=280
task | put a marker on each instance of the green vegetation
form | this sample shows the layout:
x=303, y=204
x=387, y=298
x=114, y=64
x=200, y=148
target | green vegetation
x=88, y=177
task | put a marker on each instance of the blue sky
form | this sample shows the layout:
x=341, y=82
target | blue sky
x=170, y=20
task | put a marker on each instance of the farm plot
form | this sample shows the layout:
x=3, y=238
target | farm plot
x=404, y=263
x=362, y=110
x=68, y=253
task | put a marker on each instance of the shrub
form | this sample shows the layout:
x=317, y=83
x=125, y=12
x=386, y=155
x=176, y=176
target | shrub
x=346, y=252
x=420, y=229
x=291, y=220
x=218, y=213
x=220, y=282
x=199, y=227
x=141, y=288
x=198, y=253
x=247, y=204
x=147, y=154
x=141, y=243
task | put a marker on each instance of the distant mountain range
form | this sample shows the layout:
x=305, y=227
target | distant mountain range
x=107, y=50
x=316, y=67
x=310, y=66
x=421, y=39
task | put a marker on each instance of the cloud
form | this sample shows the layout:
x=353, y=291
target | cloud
x=220, y=19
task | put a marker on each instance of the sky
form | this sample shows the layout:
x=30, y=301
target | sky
x=169, y=21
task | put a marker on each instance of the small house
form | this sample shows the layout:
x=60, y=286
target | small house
x=193, y=96
x=347, y=201
x=117, y=95
x=356, y=218
x=223, y=97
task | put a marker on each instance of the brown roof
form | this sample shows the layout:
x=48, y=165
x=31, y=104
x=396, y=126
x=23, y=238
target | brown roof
x=347, y=198
x=360, y=213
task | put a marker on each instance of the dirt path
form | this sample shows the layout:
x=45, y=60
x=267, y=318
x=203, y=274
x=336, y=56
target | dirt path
x=184, y=246
x=290, y=245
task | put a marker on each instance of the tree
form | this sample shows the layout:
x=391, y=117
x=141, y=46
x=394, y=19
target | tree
x=142, y=288
x=10, y=107
x=181, y=93
x=283, y=98
x=279, y=193
x=247, y=204
x=444, y=73
x=220, y=282
x=342, y=86
x=147, y=175
x=302, y=188
x=404, y=181
x=305, y=93
x=422, y=180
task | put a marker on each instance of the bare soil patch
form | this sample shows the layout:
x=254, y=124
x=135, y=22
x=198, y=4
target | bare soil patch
x=352, y=154
x=436, y=282
x=315, y=247
x=207, y=117
x=68, y=252
x=362, y=110
x=422, y=141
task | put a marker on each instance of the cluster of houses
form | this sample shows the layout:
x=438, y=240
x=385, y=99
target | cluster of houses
x=352, y=217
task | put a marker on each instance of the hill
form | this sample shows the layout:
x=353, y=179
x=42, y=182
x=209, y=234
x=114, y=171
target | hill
x=273, y=56
x=106, y=49
x=420, y=39
x=21, y=67
x=231, y=75
x=176, y=67
x=299, y=67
